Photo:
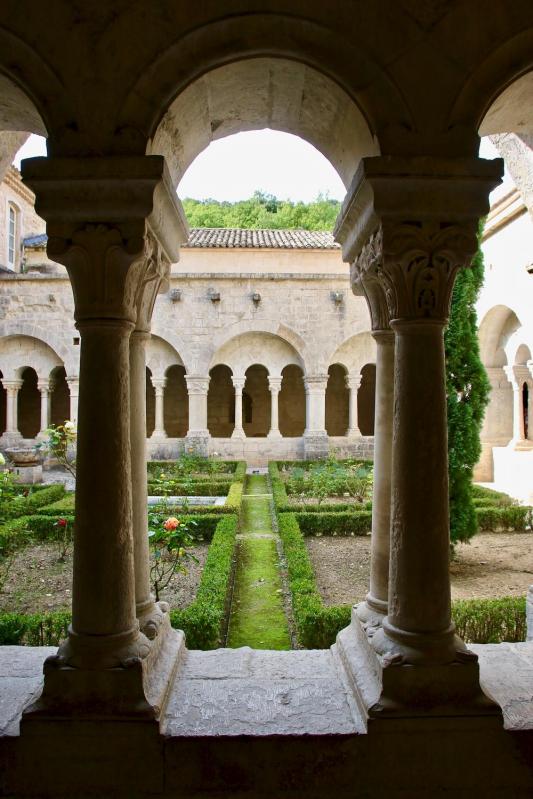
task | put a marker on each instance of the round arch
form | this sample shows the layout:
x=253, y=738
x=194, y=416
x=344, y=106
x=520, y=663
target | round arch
x=498, y=324
x=354, y=352
x=259, y=35
x=68, y=355
x=489, y=101
x=241, y=345
x=21, y=352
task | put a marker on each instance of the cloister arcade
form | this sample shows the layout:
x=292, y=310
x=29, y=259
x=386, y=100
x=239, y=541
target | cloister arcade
x=396, y=95
x=256, y=387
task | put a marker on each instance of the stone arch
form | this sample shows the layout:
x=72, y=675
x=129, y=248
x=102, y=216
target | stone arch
x=488, y=98
x=251, y=36
x=518, y=352
x=180, y=347
x=366, y=399
x=256, y=401
x=20, y=352
x=160, y=356
x=291, y=402
x=287, y=96
x=69, y=356
x=176, y=402
x=354, y=352
x=241, y=350
x=495, y=329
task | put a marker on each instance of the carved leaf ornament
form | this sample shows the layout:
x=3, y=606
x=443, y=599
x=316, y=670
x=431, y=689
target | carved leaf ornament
x=419, y=265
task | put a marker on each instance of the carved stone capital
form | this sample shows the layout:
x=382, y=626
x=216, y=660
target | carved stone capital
x=238, y=383
x=315, y=384
x=197, y=385
x=365, y=279
x=274, y=384
x=115, y=224
x=353, y=382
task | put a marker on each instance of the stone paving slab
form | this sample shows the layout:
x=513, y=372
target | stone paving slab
x=21, y=678
x=507, y=675
x=253, y=692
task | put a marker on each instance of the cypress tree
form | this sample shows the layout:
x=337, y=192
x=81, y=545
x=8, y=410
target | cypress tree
x=467, y=388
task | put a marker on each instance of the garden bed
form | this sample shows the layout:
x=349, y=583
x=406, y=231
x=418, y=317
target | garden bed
x=492, y=565
x=39, y=583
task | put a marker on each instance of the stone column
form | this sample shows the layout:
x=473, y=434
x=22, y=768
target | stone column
x=198, y=435
x=274, y=384
x=159, y=388
x=365, y=280
x=353, y=383
x=73, y=385
x=107, y=666
x=238, y=385
x=316, y=444
x=44, y=387
x=425, y=214
x=517, y=376
x=12, y=388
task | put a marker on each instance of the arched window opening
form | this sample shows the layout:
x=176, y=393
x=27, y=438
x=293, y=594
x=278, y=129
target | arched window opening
x=247, y=412
x=221, y=402
x=60, y=396
x=257, y=407
x=12, y=236
x=366, y=398
x=292, y=402
x=29, y=404
x=337, y=401
x=525, y=409
x=150, y=404
x=176, y=404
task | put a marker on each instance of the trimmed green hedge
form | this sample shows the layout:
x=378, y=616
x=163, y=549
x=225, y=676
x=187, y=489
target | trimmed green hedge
x=26, y=529
x=332, y=524
x=204, y=620
x=279, y=494
x=491, y=497
x=477, y=620
x=25, y=506
x=64, y=505
x=194, y=488
x=316, y=625
x=490, y=621
x=37, y=629
x=504, y=517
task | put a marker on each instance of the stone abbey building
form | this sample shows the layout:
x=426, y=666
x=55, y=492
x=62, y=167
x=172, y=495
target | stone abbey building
x=397, y=94
x=278, y=346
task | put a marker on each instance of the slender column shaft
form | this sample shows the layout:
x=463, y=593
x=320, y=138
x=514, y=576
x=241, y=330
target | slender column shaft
x=518, y=413
x=377, y=598
x=353, y=383
x=238, y=384
x=274, y=384
x=73, y=384
x=144, y=600
x=103, y=599
x=12, y=388
x=44, y=388
x=159, y=388
x=419, y=585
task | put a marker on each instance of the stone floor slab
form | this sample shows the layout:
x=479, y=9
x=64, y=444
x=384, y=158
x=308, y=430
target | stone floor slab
x=507, y=675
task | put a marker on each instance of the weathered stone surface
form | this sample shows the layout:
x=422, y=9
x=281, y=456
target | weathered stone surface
x=507, y=676
x=250, y=692
x=21, y=676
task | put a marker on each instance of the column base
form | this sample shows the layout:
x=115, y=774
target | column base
x=316, y=445
x=371, y=612
x=197, y=442
x=274, y=434
x=240, y=435
x=353, y=432
x=137, y=689
x=386, y=687
x=158, y=434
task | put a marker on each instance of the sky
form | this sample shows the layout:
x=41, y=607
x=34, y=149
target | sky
x=234, y=167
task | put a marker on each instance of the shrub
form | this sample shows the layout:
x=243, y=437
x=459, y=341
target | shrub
x=233, y=500
x=490, y=497
x=25, y=506
x=38, y=629
x=191, y=488
x=279, y=494
x=490, y=621
x=204, y=620
x=504, y=517
x=64, y=505
x=354, y=523
x=18, y=532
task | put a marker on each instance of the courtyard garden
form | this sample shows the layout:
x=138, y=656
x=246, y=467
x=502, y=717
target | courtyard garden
x=271, y=561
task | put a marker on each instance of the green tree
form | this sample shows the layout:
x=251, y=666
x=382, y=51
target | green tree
x=263, y=211
x=467, y=389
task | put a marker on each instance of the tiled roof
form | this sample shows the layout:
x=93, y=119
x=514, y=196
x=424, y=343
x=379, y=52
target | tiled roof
x=277, y=239
x=36, y=241
x=237, y=238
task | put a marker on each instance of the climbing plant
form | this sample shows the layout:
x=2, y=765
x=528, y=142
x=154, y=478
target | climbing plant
x=467, y=388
